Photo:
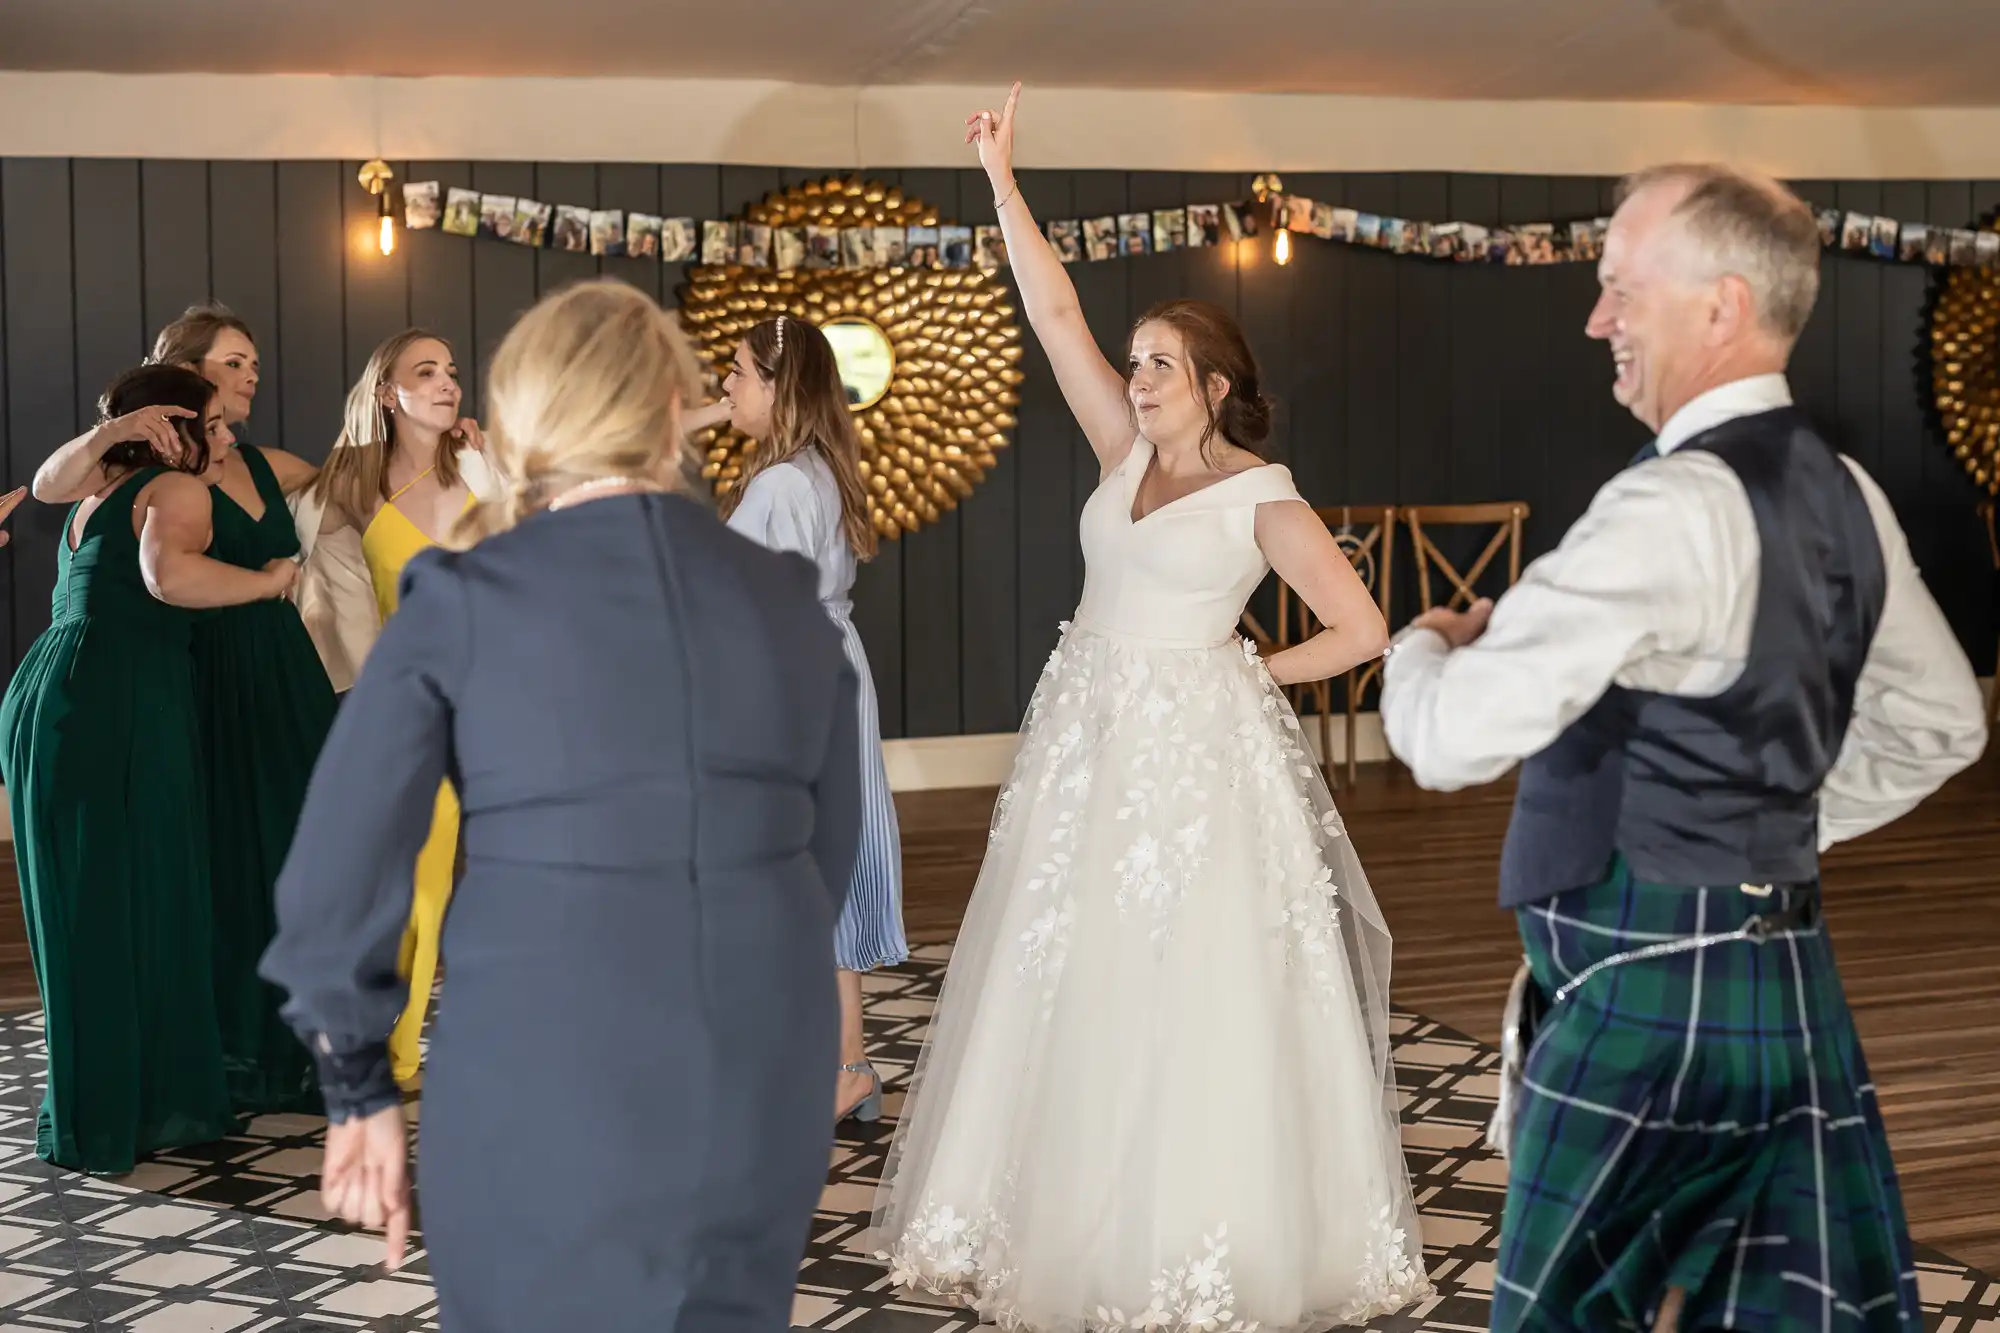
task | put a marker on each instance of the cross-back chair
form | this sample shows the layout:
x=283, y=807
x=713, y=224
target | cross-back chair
x=1505, y=517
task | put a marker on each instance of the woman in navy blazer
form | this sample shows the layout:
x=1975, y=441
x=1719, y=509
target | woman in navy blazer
x=651, y=726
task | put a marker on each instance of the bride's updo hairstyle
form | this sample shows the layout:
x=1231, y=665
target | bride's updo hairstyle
x=1214, y=345
x=590, y=383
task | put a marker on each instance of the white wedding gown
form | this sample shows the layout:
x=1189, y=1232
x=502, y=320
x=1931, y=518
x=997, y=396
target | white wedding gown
x=1157, y=1093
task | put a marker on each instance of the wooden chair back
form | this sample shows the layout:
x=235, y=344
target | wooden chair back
x=1367, y=533
x=1505, y=517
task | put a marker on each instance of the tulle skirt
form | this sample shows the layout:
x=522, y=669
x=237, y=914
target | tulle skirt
x=1157, y=1091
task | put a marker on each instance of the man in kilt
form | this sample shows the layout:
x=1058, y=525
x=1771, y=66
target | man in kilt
x=1729, y=664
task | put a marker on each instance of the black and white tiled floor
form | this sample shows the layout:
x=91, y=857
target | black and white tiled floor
x=230, y=1237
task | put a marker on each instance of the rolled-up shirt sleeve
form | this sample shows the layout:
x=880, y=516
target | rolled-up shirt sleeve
x=1625, y=584
x=1918, y=715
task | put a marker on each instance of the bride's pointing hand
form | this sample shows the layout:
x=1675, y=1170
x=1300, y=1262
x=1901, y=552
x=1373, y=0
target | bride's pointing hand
x=994, y=133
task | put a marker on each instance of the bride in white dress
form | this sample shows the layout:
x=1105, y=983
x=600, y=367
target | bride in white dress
x=1157, y=1091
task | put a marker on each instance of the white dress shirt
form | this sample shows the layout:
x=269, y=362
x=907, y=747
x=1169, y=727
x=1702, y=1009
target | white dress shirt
x=1655, y=589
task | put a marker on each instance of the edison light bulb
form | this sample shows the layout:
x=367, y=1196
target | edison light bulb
x=388, y=241
x=1281, y=247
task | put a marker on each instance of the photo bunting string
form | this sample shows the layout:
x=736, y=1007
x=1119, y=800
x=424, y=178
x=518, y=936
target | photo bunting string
x=674, y=240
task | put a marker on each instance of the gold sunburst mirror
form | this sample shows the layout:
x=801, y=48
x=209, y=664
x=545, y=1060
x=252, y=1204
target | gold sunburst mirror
x=930, y=357
x=1965, y=370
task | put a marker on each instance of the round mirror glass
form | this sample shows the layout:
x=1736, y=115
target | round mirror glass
x=867, y=360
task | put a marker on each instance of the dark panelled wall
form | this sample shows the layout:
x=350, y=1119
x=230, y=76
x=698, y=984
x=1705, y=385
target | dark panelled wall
x=1398, y=380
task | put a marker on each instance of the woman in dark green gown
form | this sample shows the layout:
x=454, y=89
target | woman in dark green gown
x=265, y=706
x=101, y=753
x=263, y=702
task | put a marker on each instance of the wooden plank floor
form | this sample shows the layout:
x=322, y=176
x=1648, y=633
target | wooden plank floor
x=1912, y=910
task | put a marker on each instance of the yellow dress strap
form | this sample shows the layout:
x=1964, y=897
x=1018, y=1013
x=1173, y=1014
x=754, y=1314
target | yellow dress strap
x=405, y=487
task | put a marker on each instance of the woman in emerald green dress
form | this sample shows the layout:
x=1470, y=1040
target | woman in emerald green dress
x=101, y=753
x=263, y=699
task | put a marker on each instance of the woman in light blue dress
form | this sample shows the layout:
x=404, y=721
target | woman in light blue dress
x=803, y=492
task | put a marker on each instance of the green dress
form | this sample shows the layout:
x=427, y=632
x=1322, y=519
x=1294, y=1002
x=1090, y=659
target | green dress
x=265, y=706
x=102, y=761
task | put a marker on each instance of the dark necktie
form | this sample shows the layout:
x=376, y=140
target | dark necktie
x=1650, y=450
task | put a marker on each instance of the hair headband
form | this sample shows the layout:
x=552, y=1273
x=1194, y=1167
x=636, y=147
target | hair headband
x=781, y=338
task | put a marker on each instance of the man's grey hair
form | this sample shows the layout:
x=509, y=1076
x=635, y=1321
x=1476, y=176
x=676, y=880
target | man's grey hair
x=1749, y=226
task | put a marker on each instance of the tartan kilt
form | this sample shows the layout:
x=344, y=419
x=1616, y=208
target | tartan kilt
x=1701, y=1120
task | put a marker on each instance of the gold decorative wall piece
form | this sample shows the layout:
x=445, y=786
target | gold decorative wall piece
x=1965, y=370
x=932, y=432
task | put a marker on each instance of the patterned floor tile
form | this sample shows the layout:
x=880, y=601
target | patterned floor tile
x=230, y=1238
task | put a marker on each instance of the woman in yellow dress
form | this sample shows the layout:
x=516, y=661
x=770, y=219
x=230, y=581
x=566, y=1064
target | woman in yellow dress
x=406, y=467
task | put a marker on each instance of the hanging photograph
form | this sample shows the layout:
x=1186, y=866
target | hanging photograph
x=788, y=249
x=1169, y=229
x=990, y=247
x=1204, y=224
x=718, y=242
x=822, y=247
x=607, y=231
x=421, y=207
x=753, y=245
x=1583, y=240
x=642, y=236
x=1935, y=249
x=531, y=222
x=496, y=216
x=1100, y=238
x=955, y=246
x=1066, y=236
x=892, y=247
x=572, y=229
x=857, y=247
x=461, y=212
x=677, y=240
x=1882, y=235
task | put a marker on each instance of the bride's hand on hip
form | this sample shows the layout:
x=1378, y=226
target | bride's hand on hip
x=994, y=133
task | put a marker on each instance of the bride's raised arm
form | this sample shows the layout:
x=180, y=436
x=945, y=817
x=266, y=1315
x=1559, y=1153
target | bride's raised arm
x=1091, y=385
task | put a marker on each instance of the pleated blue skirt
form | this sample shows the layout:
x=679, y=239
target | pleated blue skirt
x=870, y=931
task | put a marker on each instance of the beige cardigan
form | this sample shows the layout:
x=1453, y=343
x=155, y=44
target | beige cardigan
x=335, y=595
